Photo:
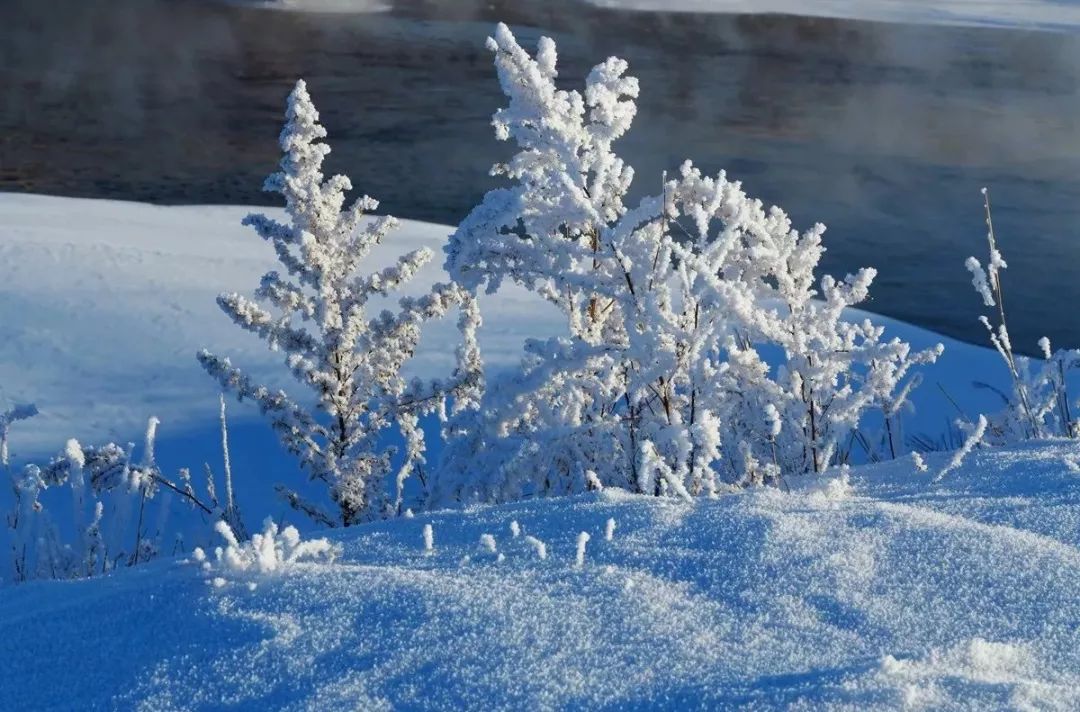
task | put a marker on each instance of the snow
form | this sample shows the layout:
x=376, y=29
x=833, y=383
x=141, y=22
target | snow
x=104, y=305
x=868, y=590
x=1041, y=14
x=894, y=591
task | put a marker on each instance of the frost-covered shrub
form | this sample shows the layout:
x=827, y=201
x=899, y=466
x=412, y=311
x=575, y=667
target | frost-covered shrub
x=1037, y=405
x=93, y=509
x=273, y=551
x=316, y=313
x=661, y=383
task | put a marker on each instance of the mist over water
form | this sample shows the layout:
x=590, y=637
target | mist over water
x=883, y=132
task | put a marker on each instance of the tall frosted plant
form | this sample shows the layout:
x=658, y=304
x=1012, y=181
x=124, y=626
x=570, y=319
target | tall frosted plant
x=1038, y=405
x=316, y=312
x=658, y=385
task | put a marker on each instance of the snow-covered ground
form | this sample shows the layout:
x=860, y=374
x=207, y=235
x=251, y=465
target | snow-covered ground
x=885, y=591
x=1044, y=14
x=890, y=592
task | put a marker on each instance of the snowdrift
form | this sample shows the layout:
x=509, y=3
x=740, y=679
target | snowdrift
x=882, y=592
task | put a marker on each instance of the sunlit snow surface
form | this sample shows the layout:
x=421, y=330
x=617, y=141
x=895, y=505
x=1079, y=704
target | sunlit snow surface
x=889, y=592
x=104, y=304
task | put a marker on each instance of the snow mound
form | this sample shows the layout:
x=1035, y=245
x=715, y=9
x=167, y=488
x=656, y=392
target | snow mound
x=896, y=591
x=988, y=675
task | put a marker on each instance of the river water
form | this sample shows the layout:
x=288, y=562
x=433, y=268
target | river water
x=884, y=132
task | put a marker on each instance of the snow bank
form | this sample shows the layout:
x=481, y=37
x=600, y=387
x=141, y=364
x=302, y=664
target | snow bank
x=957, y=595
x=104, y=305
x=1043, y=14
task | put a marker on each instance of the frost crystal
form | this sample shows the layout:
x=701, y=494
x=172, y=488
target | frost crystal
x=429, y=538
x=538, y=546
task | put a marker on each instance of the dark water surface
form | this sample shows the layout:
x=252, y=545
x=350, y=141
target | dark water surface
x=883, y=132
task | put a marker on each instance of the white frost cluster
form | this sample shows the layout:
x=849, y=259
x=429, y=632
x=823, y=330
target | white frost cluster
x=538, y=546
x=579, y=557
x=272, y=551
x=979, y=281
x=429, y=539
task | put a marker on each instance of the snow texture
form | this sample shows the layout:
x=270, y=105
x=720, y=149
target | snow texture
x=956, y=595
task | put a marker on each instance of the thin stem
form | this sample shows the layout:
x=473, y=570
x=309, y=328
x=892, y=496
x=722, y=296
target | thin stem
x=138, y=529
x=1006, y=349
x=225, y=455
